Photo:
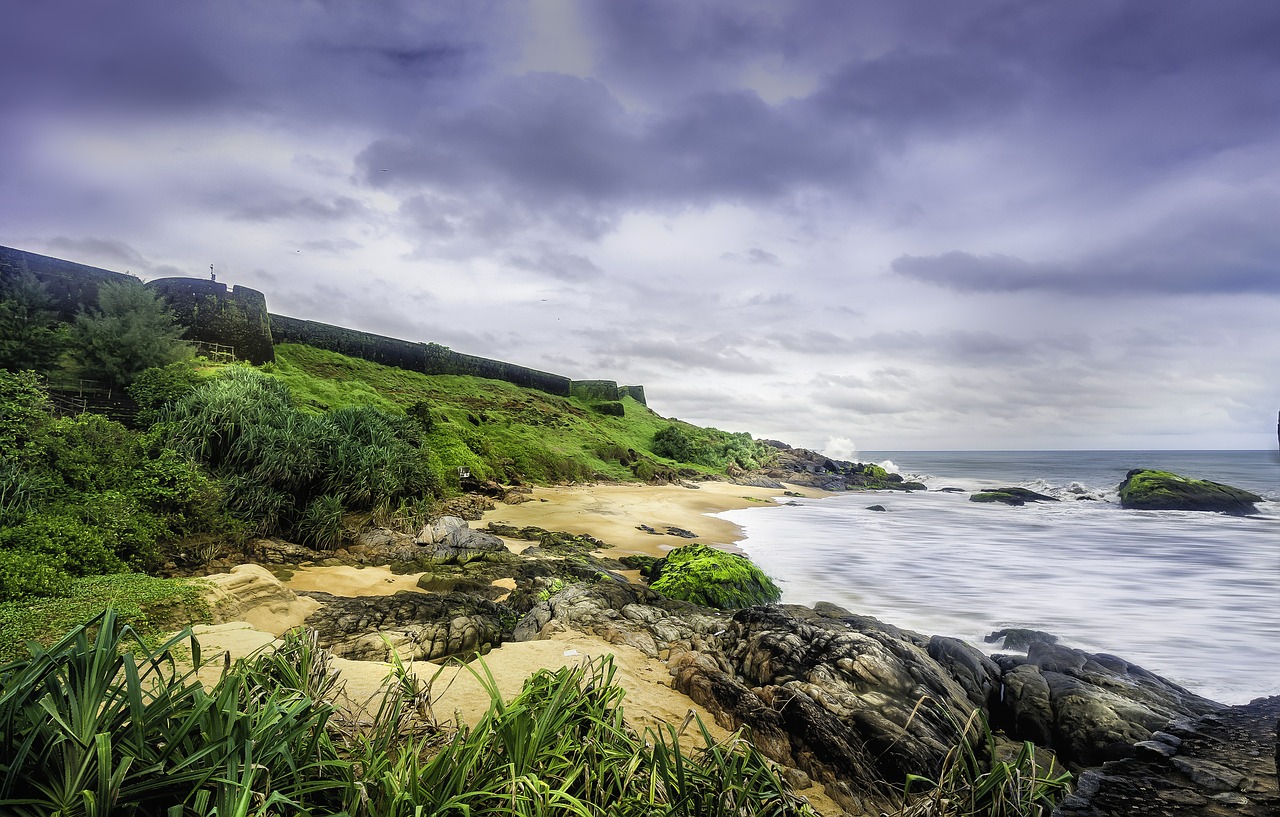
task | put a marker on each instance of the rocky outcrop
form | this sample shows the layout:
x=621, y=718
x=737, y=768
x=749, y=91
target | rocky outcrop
x=1217, y=765
x=244, y=588
x=858, y=704
x=1088, y=708
x=449, y=540
x=1145, y=489
x=800, y=466
x=415, y=626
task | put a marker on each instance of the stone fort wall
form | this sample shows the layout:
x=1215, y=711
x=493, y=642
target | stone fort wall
x=238, y=317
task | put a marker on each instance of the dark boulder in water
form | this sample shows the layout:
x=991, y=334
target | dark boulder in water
x=1145, y=489
x=1011, y=496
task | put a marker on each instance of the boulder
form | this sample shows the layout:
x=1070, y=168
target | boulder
x=244, y=588
x=1011, y=496
x=416, y=626
x=713, y=578
x=1144, y=489
x=1089, y=708
x=449, y=540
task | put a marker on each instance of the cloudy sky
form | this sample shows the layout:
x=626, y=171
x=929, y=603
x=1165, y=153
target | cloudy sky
x=884, y=225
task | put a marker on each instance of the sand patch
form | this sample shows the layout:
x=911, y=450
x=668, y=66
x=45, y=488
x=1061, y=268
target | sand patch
x=352, y=581
x=613, y=513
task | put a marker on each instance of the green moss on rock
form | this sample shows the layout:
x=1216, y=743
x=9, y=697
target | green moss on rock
x=713, y=578
x=1146, y=489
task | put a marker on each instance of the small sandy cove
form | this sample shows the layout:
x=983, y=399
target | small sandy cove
x=260, y=609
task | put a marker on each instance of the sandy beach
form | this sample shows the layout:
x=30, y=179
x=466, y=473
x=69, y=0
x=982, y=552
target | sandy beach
x=614, y=513
x=257, y=607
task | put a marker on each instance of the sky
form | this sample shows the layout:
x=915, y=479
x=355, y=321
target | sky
x=851, y=226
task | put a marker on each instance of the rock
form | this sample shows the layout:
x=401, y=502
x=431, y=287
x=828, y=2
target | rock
x=1088, y=708
x=681, y=532
x=880, y=508
x=977, y=674
x=996, y=496
x=1144, y=489
x=951, y=490
x=469, y=506
x=841, y=703
x=704, y=575
x=416, y=626
x=1220, y=766
x=1011, y=496
x=244, y=588
x=448, y=540
x=1019, y=638
x=280, y=552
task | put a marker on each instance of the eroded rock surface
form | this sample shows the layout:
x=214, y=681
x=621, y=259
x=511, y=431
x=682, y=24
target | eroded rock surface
x=416, y=626
x=1088, y=708
x=1220, y=764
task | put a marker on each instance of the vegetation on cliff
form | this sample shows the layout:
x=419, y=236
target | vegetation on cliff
x=712, y=578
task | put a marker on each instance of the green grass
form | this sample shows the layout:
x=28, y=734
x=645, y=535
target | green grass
x=149, y=605
x=495, y=429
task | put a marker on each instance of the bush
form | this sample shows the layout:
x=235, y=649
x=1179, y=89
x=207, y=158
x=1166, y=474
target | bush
x=159, y=386
x=283, y=468
x=30, y=575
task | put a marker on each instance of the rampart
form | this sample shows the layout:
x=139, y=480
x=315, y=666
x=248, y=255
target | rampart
x=428, y=358
x=213, y=314
x=238, y=318
x=72, y=286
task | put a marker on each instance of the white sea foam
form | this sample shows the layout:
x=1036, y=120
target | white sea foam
x=1191, y=596
x=841, y=448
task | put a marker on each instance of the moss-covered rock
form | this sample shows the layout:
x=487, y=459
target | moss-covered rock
x=712, y=578
x=1145, y=489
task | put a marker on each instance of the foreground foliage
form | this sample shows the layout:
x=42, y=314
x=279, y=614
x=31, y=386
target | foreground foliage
x=82, y=496
x=974, y=781
x=101, y=724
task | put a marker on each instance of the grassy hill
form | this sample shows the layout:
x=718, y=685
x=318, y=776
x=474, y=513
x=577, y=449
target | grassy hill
x=505, y=432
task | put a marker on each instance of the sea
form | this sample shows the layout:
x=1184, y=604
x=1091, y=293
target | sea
x=1191, y=596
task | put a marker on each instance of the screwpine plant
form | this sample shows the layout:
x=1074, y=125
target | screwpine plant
x=102, y=724
x=974, y=782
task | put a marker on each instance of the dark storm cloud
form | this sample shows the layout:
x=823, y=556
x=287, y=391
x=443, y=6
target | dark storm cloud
x=569, y=144
x=1207, y=258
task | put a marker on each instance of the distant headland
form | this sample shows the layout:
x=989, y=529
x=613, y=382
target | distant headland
x=235, y=320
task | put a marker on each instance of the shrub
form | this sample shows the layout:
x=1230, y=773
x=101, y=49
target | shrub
x=30, y=575
x=320, y=524
x=157, y=387
x=973, y=780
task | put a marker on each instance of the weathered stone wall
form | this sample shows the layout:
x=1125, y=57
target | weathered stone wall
x=596, y=390
x=237, y=318
x=634, y=392
x=72, y=286
x=428, y=358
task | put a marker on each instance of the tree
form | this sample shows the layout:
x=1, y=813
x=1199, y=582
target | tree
x=30, y=335
x=131, y=331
